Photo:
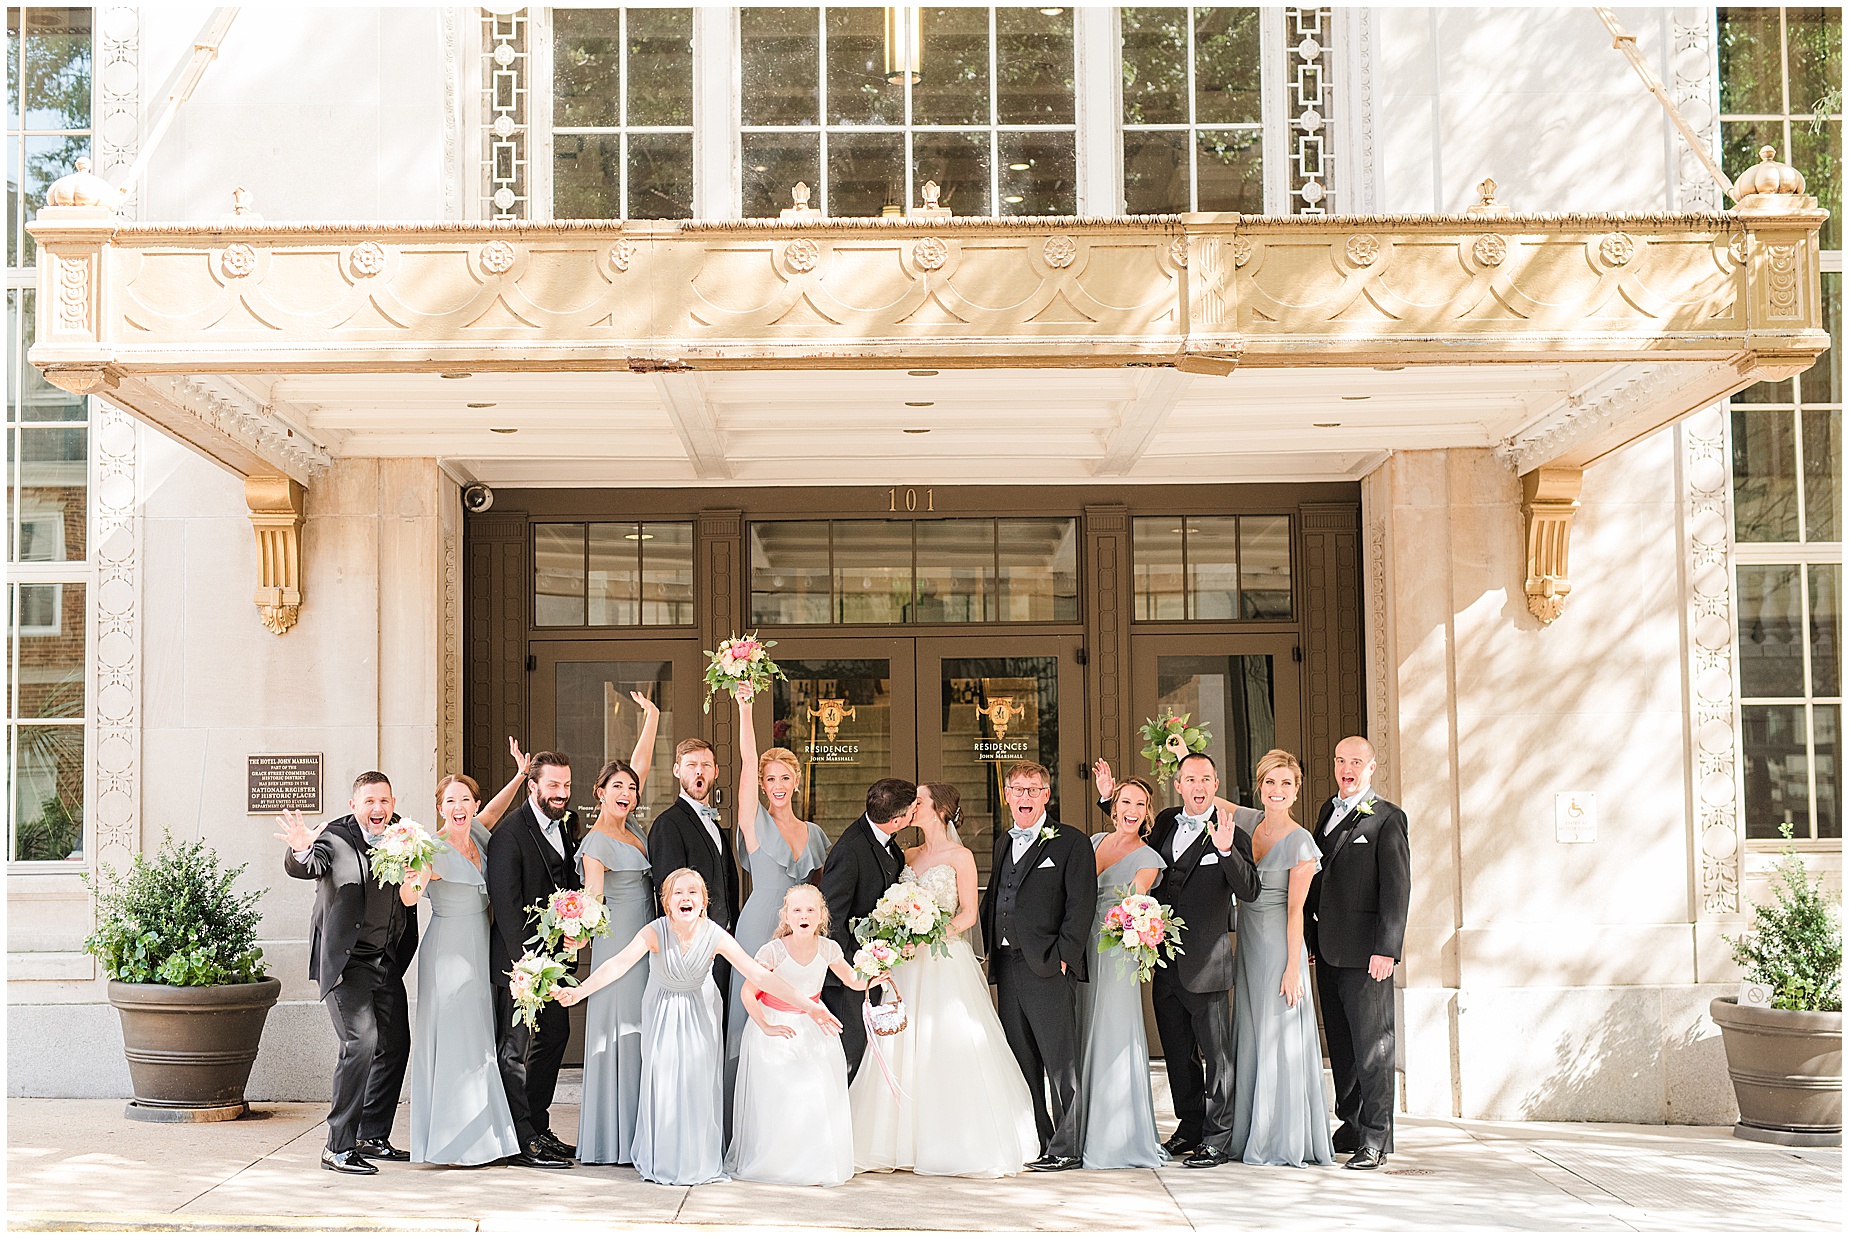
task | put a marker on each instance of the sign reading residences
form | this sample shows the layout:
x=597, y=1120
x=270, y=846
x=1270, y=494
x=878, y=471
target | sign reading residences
x=278, y=781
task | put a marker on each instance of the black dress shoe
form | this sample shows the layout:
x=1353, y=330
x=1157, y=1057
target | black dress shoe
x=347, y=1161
x=1050, y=1163
x=1206, y=1156
x=1365, y=1158
x=381, y=1149
x=1179, y=1144
x=553, y=1145
x=538, y=1158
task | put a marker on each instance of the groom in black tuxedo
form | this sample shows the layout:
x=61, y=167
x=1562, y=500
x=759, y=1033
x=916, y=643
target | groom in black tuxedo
x=530, y=856
x=1036, y=917
x=863, y=862
x=1209, y=855
x=1355, y=927
x=360, y=941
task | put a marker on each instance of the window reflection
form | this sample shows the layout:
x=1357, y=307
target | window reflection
x=1212, y=567
x=1232, y=696
x=598, y=721
x=836, y=715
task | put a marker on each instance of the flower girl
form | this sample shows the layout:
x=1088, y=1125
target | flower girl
x=790, y=1119
x=680, y=1116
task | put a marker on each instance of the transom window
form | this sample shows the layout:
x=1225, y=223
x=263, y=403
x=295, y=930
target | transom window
x=622, y=113
x=989, y=114
x=1193, y=125
x=610, y=574
x=914, y=572
x=1212, y=567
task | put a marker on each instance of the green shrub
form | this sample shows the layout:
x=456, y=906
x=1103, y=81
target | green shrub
x=1795, y=943
x=174, y=920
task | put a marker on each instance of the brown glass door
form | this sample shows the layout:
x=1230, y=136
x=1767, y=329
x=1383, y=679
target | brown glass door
x=1243, y=689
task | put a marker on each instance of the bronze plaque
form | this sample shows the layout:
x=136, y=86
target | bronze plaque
x=278, y=781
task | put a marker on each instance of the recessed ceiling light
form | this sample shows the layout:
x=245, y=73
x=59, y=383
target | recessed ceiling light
x=1325, y=425
x=1051, y=12
x=481, y=404
x=504, y=430
x=921, y=374
x=919, y=404
x=1357, y=397
x=1012, y=199
x=1191, y=529
x=919, y=430
x=1389, y=369
x=1019, y=167
x=454, y=376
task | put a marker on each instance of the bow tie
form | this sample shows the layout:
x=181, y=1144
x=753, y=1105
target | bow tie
x=1196, y=823
x=1022, y=834
x=708, y=812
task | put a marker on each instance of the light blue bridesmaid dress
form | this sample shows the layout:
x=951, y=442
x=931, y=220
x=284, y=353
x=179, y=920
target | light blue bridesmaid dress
x=680, y=1116
x=1115, y=1099
x=613, y=1015
x=773, y=871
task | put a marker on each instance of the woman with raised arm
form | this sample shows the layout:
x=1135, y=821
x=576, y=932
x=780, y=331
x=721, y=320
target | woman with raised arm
x=459, y=1114
x=775, y=846
x=680, y=1116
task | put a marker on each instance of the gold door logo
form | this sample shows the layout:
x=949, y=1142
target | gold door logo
x=832, y=713
x=1001, y=711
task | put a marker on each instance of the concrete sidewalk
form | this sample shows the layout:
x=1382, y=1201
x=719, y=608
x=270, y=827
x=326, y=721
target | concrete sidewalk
x=82, y=1165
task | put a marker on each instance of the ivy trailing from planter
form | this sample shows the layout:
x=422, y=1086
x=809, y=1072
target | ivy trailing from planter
x=174, y=920
x=1795, y=943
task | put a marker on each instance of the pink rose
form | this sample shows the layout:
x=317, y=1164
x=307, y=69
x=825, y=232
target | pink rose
x=568, y=905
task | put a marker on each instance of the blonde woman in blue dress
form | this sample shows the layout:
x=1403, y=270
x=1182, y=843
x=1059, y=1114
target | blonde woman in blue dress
x=680, y=1116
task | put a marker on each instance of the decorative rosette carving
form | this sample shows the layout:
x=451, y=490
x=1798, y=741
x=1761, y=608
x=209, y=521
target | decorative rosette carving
x=801, y=255
x=1178, y=251
x=497, y=257
x=367, y=259
x=1363, y=249
x=237, y=260
x=1490, y=250
x=621, y=255
x=1616, y=248
x=1242, y=251
x=1059, y=251
x=930, y=253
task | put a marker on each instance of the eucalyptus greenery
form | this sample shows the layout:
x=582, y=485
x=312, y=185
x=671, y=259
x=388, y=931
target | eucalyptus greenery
x=174, y=920
x=1795, y=943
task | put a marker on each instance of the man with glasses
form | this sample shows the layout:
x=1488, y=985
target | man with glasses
x=1037, y=919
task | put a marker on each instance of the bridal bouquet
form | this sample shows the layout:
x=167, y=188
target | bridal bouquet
x=402, y=850
x=1145, y=929
x=739, y=660
x=906, y=917
x=534, y=981
x=1167, y=740
x=568, y=914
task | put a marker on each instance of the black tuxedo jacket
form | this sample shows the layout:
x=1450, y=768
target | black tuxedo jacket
x=678, y=839
x=522, y=869
x=1359, y=899
x=857, y=872
x=339, y=865
x=1053, y=910
x=1200, y=885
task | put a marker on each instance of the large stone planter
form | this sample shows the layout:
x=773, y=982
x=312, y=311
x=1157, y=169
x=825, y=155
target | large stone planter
x=190, y=1048
x=1787, y=1070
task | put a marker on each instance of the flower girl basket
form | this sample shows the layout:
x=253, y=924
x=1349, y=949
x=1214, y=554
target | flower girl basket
x=888, y=1018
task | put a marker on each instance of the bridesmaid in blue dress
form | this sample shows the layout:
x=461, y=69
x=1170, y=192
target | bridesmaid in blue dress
x=1280, y=1115
x=613, y=863
x=680, y=1116
x=775, y=847
x=459, y=1114
x=1115, y=1099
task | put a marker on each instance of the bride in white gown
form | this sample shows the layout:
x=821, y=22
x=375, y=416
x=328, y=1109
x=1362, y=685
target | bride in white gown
x=962, y=1106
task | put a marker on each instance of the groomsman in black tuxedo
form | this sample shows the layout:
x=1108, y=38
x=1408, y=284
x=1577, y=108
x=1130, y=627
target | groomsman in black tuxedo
x=863, y=862
x=360, y=941
x=530, y=856
x=1209, y=855
x=1355, y=928
x=688, y=835
x=1036, y=918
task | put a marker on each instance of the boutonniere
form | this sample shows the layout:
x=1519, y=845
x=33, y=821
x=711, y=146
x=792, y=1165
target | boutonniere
x=1047, y=834
x=1365, y=808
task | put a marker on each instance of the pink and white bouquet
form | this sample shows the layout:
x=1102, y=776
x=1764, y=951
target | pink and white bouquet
x=1145, y=929
x=569, y=914
x=739, y=660
x=402, y=850
x=534, y=981
x=906, y=918
x=877, y=958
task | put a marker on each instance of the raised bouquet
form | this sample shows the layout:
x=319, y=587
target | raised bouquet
x=568, y=914
x=906, y=918
x=402, y=850
x=1146, y=931
x=739, y=660
x=534, y=981
x=1168, y=739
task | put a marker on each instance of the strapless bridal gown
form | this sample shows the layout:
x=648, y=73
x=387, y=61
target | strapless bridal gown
x=962, y=1106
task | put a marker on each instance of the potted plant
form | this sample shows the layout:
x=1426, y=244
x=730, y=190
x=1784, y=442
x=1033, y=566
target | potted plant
x=185, y=974
x=1786, y=1059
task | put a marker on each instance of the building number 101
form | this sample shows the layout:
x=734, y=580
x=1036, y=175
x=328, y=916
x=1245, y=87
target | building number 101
x=907, y=500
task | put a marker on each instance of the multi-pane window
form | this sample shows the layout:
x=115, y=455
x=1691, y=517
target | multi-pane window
x=47, y=459
x=1211, y=567
x=622, y=113
x=984, y=107
x=612, y=574
x=1193, y=126
x=1781, y=85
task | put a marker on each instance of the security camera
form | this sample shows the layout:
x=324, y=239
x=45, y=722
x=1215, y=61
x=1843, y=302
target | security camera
x=477, y=498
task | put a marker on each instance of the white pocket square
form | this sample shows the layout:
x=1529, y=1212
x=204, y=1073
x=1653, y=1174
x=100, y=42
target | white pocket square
x=1212, y=858
x=1045, y=864
x=1359, y=839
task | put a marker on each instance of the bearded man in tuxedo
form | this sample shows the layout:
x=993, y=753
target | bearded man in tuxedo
x=860, y=866
x=361, y=939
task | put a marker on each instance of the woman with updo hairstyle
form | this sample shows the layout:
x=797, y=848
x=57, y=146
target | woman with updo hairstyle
x=1280, y=1117
x=775, y=847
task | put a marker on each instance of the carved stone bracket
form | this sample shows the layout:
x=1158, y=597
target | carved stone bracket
x=1549, y=499
x=275, y=504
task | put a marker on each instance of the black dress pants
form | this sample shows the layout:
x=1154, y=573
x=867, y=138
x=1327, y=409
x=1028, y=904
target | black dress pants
x=1197, y=1048
x=529, y=1062
x=1358, y=1023
x=373, y=1027
x=1040, y=1018
x=844, y=1003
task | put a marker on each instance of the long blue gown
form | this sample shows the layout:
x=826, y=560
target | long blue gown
x=613, y=1015
x=680, y=1116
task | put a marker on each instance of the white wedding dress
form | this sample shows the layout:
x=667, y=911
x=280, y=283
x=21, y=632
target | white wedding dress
x=963, y=1107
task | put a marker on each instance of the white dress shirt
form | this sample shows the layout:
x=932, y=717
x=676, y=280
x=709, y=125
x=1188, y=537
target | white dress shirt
x=1019, y=848
x=547, y=826
x=709, y=816
x=1342, y=809
x=1187, y=829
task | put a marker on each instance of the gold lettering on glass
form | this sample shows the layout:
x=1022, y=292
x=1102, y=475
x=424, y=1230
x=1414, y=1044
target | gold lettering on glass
x=832, y=712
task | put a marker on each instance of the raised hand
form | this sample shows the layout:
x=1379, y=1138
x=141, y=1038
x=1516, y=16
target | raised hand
x=1176, y=745
x=296, y=832
x=744, y=694
x=649, y=708
x=1101, y=775
x=523, y=762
